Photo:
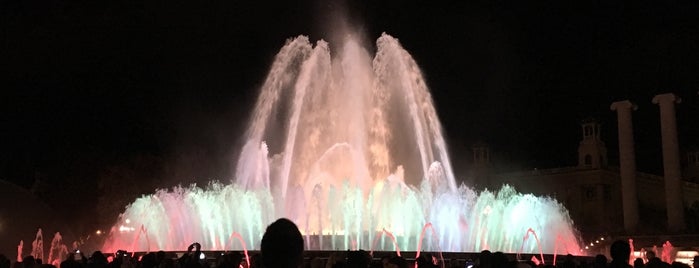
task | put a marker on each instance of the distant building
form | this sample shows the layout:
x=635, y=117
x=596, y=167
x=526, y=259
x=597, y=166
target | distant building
x=611, y=201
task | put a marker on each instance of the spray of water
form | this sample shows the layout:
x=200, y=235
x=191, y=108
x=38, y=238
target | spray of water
x=19, y=250
x=348, y=146
x=58, y=250
x=38, y=245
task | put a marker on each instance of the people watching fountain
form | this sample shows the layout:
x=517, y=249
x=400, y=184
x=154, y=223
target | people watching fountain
x=485, y=259
x=29, y=262
x=358, y=259
x=600, y=261
x=97, y=260
x=282, y=245
x=654, y=261
x=425, y=261
x=620, y=252
x=149, y=261
x=71, y=262
x=230, y=260
x=499, y=259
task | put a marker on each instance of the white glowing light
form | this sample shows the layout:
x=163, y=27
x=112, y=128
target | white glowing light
x=123, y=228
x=127, y=221
x=601, y=238
x=686, y=256
x=98, y=232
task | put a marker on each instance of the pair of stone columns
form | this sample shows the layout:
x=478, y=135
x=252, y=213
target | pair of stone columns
x=671, y=162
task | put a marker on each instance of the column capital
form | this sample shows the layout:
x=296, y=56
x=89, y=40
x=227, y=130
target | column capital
x=624, y=104
x=666, y=98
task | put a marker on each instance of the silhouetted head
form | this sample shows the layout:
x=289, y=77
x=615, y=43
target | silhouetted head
x=424, y=261
x=149, y=261
x=600, y=261
x=282, y=245
x=650, y=255
x=499, y=259
x=230, y=260
x=485, y=259
x=358, y=259
x=620, y=251
x=28, y=261
x=98, y=257
x=638, y=262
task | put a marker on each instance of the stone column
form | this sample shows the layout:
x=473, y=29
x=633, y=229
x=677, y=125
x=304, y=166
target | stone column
x=671, y=161
x=627, y=164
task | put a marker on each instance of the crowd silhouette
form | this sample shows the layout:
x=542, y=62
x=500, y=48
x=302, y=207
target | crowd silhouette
x=282, y=246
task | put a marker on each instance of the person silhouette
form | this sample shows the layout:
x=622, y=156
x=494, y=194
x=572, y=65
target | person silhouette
x=620, y=251
x=282, y=245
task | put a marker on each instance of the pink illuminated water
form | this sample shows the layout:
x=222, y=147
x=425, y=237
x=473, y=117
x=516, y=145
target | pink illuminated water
x=380, y=235
x=58, y=250
x=134, y=245
x=631, y=256
x=38, y=245
x=19, y=250
x=348, y=145
x=538, y=244
x=242, y=243
x=667, y=252
x=422, y=236
x=434, y=236
x=555, y=248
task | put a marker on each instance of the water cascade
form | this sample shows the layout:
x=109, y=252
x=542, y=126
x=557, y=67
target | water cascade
x=348, y=146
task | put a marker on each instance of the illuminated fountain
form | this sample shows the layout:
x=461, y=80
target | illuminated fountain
x=38, y=245
x=350, y=148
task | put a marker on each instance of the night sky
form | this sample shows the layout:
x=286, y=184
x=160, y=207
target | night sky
x=115, y=98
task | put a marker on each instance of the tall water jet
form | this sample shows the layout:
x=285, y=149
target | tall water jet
x=38, y=245
x=19, y=250
x=58, y=250
x=348, y=146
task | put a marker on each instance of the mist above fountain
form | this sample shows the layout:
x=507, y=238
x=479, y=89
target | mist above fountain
x=349, y=147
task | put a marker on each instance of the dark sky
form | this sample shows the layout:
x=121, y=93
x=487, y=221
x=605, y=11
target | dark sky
x=91, y=89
